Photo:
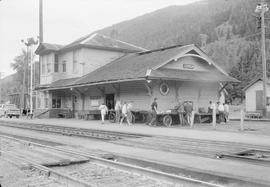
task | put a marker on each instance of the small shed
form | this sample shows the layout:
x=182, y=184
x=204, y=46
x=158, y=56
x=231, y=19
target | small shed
x=254, y=96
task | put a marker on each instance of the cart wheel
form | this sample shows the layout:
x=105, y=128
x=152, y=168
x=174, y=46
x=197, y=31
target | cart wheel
x=167, y=120
x=112, y=117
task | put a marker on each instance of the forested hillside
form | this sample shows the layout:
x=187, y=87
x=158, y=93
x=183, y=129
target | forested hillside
x=225, y=29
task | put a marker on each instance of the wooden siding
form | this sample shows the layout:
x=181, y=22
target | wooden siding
x=196, y=63
x=135, y=92
x=250, y=94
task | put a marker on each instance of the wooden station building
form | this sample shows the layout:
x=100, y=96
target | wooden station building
x=96, y=69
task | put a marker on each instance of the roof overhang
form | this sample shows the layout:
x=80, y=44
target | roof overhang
x=92, y=84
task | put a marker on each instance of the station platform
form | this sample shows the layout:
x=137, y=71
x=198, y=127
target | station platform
x=238, y=169
x=255, y=133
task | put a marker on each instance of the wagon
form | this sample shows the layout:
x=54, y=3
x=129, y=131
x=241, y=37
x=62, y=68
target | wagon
x=167, y=118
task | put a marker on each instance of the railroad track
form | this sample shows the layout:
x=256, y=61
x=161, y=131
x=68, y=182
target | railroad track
x=81, y=181
x=205, y=148
x=72, y=131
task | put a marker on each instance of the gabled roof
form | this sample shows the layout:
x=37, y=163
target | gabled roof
x=147, y=65
x=131, y=66
x=253, y=82
x=94, y=41
x=136, y=65
x=46, y=47
x=100, y=41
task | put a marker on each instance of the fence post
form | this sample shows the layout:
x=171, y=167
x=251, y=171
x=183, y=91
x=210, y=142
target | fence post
x=214, y=116
x=242, y=115
x=192, y=119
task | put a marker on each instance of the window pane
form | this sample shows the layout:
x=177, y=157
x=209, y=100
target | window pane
x=58, y=103
x=64, y=66
x=55, y=58
x=56, y=65
x=53, y=103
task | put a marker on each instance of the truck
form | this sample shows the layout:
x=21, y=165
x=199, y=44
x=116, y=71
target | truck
x=9, y=110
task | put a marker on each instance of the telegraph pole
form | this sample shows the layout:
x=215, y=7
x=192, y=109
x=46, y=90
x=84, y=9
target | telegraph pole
x=262, y=8
x=1, y=74
x=40, y=21
x=29, y=43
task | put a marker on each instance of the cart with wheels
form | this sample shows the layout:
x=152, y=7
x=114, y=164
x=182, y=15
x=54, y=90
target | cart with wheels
x=168, y=118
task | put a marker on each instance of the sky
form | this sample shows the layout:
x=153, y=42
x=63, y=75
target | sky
x=64, y=20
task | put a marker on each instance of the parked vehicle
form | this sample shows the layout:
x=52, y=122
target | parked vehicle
x=2, y=111
x=9, y=110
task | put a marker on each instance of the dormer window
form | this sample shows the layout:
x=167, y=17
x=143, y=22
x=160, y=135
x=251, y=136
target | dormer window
x=56, y=64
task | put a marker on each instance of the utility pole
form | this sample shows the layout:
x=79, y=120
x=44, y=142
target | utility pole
x=40, y=33
x=262, y=8
x=40, y=21
x=29, y=43
x=1, y=74
x=25, y=64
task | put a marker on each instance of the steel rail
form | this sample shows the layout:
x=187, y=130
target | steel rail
x=73, y=131
x=127, y=167
x=50, y=172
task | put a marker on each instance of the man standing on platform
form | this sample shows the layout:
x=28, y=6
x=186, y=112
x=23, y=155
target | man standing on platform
x=154, y=107
x=118, y=108
x=221, y=112
x=188, y=110
x=181, y=111
x=103, y=111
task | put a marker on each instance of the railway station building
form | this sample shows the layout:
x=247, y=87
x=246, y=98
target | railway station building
x=75, y=79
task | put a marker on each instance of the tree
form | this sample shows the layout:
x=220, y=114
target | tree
x=20, y=62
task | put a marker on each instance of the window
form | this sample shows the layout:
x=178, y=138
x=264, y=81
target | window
x=164, y=89
x=75, y=62
x=43, y=65
x=56, y=64
x=56, y=102
x=48, y=64
x=64, y=66
x=94, y=100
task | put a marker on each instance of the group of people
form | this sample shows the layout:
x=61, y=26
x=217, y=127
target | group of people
x=122, y=112
x=184, y=110
x=222, y=109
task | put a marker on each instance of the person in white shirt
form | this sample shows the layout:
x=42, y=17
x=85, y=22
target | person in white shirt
x=117, y=108
x=226, y=112
x=221, y=112
x=124, y=113
x=129, y=113
x=103, y=111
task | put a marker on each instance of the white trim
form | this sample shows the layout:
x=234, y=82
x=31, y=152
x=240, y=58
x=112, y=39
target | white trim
x=89, y=38
x=131, y=45
x=148, y=72
x=194, y=55
x=175, y=57
x=201, y=55
x=210, y=60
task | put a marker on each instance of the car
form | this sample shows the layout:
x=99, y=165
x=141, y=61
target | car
x=2, y=111
x=9, y=110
